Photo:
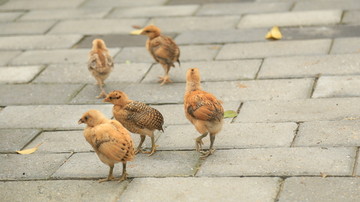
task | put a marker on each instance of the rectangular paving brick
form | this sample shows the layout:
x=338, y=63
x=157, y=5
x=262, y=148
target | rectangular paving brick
x=327, y=5
x=10, y=16
x=21, y=74
x=298, y=18
x=161, y=164
x=64, y=73
x=279, y=162
x=7, y=56
x=23, y=28
x=328, y=134
x=39, y=4
x=320, y=189
x=202, y=189
x=61, y=142
x=61, y=56
x=246, y=135
x=96, y=26
x=153, y=11
x=48, y=116
x=63, y=14
x=299, y=110
x=346, y=45
x=15, y=139
x=38, y=93
x=310, y=66
x=38, y=42
x=242, y=8
x=180, y=24
x=180, y=2
x=351, y=17
x=61, y=190
x=210, y=71
x=115, y=40
x=121, y=3
x=273, y=48
x=337, y=86
x=34, y=166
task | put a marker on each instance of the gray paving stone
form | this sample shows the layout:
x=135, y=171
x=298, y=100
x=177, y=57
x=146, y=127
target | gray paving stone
x=161, y=164
x=122, y=3
x=63, y=14
x=310, y=66
x=61, y=142
x=187, y=53
x=327, y=5
x=320, y=189
x=23, y=28
x=96, y=26
x=351, y=17
x=61, y=56
x=299, y=110
x=38, y=42
x=210, y=71
x=39, y=4
x=202, y=189
x=346, y=45
x=298, y=18
x=280, y=162
x=38, y=93
x=6, y=56
x=242, y=8
x=221, y=36
x=75, y=73
x=248, y=135
x=48, y=116
x=180, y=24
x=22, y=74
x=9, y=16
x=34, y=166
x=328, y=134
x=15, y=139
x=337, y=86
x=260, y=89
x=180, y=2
x=154, y=11
x=273, y=48
x=61, y=190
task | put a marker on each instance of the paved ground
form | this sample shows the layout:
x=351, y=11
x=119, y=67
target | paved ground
x=296, y=137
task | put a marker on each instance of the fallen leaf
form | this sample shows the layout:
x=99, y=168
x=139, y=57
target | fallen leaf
x=127, y=62
x=274, y=33
x=230, y=114
x=323, y=175
x=242, y=85
x=29, y=151
x=136, y=27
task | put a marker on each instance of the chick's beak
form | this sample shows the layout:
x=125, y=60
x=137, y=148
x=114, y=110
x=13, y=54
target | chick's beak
x=137, y=32
x=81, y=121
x=107, y=99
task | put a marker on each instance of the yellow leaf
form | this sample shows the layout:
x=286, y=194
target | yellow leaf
x=274, y=33
x=230, y=114
x=136, y=32
x=29, y=151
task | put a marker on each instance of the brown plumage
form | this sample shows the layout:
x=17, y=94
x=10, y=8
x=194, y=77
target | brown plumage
x=203, y=110
x=100, y=64
x=110, y=140
x=137, y=117
x=163, y=49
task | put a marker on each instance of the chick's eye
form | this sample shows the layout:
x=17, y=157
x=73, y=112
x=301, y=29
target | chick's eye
x=147, y=31
x=86, y=118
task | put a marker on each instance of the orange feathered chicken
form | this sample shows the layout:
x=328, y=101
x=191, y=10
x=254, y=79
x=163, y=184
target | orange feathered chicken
x=203, y=110
x=137, y=117
x=163, y=49
x=100, y=64
x=110, y=140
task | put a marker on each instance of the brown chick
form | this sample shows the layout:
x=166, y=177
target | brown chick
x=137, y=117
x=100, y=64
x=110, y=140
x=163, y=49
x=203, y=110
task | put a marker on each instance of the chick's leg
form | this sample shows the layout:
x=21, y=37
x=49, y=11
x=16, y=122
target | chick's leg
x=101, y=84
x=139, y=149
x=153, y=146
x=166, y=78
x=211, y=150
x=199, y=142
x=110, y=176
x=124, y=173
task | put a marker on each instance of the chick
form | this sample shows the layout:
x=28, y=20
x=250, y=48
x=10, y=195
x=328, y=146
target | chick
x=163, y=49
x=203, y=110
x=137, y=117
x=100, y=64
x=110, y=140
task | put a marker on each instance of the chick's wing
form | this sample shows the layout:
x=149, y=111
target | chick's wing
x=144, y=116
x=164, y=49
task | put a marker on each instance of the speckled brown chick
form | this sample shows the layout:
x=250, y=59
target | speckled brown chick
x=137, y=117
x=100, y=64
x=163, y=49
x=203, y=110
x=110, y=140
